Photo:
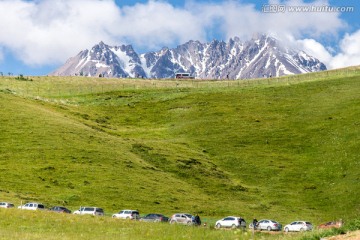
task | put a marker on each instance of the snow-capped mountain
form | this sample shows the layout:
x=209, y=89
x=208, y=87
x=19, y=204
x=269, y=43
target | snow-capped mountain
x=261, y=56
x=102, y=59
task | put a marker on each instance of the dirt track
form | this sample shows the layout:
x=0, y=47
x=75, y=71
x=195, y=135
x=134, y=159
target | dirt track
x=349, y=236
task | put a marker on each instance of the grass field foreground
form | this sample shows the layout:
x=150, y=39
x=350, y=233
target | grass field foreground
x=281, y=148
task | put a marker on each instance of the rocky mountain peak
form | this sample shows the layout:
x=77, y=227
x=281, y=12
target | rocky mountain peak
x=260, y=56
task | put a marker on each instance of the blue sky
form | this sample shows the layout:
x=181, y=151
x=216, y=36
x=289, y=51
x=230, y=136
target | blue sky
x=39, y=36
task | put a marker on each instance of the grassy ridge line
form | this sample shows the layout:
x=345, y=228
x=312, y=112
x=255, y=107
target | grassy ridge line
x=61, y=86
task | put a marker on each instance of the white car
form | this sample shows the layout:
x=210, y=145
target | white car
x=32, y=206
x=230, y=222
x=90, y=210
x=298, y=226
x=127, y=214
x=6, y=205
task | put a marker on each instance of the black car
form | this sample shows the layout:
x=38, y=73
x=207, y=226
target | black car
x=154, y=217
x=60, y=209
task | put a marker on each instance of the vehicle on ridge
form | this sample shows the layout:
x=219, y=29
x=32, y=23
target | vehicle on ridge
x=183, y=75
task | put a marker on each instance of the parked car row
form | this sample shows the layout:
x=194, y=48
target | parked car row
x=40, y=206
x=271, y=225
x=178, y=218
x=123, y=214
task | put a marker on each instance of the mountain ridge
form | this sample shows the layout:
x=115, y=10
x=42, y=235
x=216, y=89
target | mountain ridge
x=262, y=56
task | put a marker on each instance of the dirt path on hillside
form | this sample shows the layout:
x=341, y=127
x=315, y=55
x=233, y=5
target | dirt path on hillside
x=349, y=236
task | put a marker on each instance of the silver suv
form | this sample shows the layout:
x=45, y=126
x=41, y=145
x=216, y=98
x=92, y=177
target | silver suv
x=32, y=206
x=90, y=210
x=182, y=218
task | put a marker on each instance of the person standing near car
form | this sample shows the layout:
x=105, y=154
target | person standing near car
x=197, y=220
x=255, y=222
x=242, y=223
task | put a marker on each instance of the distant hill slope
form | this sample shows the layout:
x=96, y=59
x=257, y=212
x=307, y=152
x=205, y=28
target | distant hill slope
x=261, y=56
x=283, y=151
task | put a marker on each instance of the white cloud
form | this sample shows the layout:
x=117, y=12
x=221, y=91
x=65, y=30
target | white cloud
x=348, y=55
x=239, y=19
x=48, y=32
x=350, y=52
x=315, y=49
x=158, y=23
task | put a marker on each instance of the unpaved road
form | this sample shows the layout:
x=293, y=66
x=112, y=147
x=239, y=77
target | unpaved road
x=349, y=236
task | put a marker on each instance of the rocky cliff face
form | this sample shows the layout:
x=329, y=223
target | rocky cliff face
x=261, y=56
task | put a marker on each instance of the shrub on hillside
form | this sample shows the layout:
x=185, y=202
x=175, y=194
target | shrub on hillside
x=22, y=78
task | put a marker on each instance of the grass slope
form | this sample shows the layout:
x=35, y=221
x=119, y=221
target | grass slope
x=284, y=148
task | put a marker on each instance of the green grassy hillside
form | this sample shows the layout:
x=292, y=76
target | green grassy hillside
x=282, y=148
